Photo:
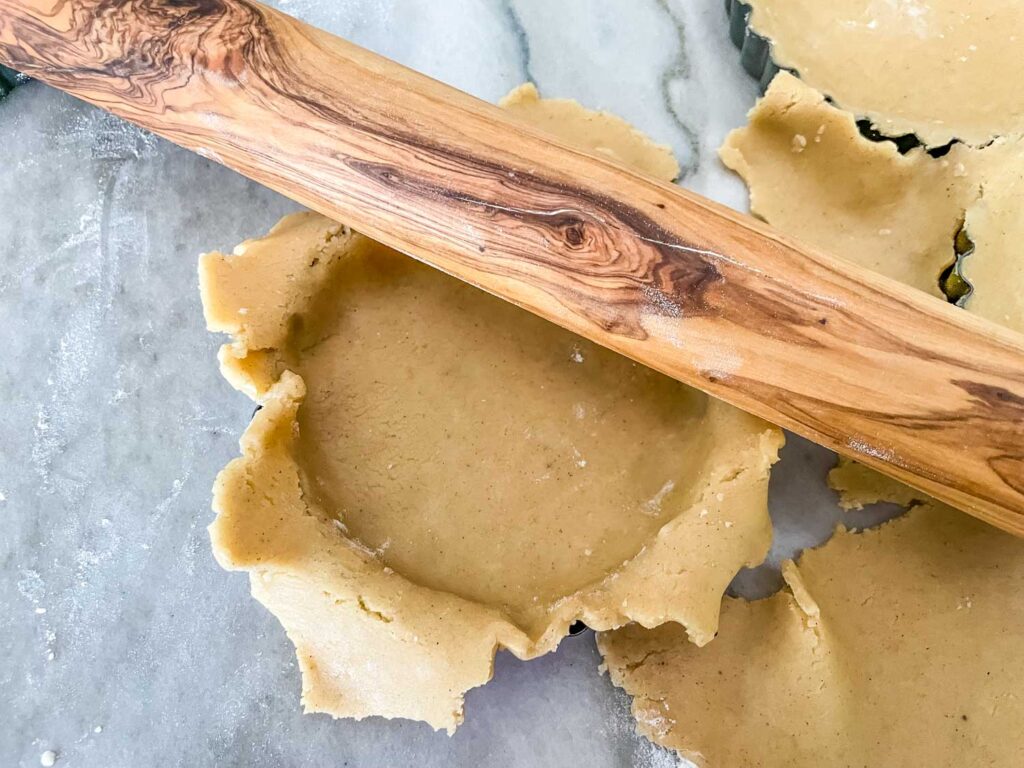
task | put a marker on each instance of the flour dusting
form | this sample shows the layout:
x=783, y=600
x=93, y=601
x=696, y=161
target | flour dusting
x=652, y=506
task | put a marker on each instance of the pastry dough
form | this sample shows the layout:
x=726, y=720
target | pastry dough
x=896, y=646
x=859, y=486
x=600, y=132
x=436, y=474
x=941, y=69
x=995, y=224
x=812, y=175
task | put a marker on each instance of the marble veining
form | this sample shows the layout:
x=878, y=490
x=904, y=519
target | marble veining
x=124, y=643
x=522, y=41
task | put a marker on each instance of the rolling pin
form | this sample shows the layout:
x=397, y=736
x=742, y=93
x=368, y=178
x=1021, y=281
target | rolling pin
x=901, y=381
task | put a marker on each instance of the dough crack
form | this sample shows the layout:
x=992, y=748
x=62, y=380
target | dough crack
x=371, y=612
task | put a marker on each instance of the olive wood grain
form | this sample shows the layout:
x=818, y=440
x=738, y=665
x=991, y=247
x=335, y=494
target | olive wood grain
x=911, y=386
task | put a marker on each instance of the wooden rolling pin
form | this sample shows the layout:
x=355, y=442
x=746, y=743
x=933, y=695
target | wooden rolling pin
x=898, y=380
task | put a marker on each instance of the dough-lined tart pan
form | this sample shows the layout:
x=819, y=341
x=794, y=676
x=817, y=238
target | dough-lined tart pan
x=436, y=474
x=757, y=60
x=756, y=57
x=930, y=72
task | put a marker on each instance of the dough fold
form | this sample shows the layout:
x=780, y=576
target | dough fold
x=940, y=69
x=435, y=474
x=896, y=646
x=367, y=640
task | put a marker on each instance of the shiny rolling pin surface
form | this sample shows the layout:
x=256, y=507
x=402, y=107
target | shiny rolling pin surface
x=880, y=372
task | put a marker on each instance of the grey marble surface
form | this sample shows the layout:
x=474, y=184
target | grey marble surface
x=123, y=643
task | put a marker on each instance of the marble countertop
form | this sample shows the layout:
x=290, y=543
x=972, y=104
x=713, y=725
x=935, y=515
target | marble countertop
x=123, y=642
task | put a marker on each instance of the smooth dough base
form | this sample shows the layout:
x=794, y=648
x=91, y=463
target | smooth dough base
x=436, y=474
x=896, y=646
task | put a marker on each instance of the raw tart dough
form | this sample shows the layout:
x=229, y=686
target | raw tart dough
x=813, y=175
x=817, y=675
x=995, y=224
x=940, y=69
x=859, y=486
x=435, y=474
x=896, y=646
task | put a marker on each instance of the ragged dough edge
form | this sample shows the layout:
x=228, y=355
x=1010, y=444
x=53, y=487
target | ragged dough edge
x=292, y=549
x=812, y=175
x=643, y=663
x=295, y=553
x=705, y=531
x=599, y=132
x=924, y=200
x=859, y=486
x=797, y=588
x=627, y=650
x=257, y=330
x=628, y=653
x=833, y=54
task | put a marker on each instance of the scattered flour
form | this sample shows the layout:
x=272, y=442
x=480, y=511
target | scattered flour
x=652, y=506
